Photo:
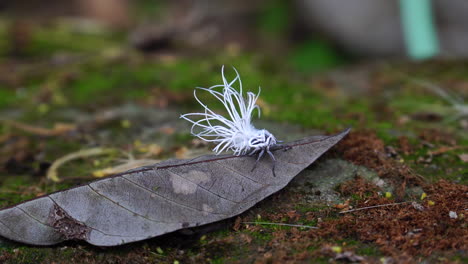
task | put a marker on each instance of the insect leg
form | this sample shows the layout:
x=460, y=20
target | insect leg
x=258, y=158
x=253, y=152
x=274, y=162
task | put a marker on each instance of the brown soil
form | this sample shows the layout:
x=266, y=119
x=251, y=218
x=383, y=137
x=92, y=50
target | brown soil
x=366, y=149
x=411, y=229
x=407, y=232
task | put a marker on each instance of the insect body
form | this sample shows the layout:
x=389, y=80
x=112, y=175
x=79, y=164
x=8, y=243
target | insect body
x=236, y=132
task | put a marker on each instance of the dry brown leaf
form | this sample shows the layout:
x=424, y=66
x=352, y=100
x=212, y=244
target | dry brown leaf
x=237, y=224
x=181, y=153
x=167, y=130
x=444, y=149
x=246, y=238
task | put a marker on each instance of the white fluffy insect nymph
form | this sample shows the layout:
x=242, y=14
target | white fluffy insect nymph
x=234, y=132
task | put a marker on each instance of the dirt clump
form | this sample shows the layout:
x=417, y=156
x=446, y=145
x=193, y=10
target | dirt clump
x=436, y=136
x=366, y=149
x=414, y=228
x=358, y=186
x=405, y=145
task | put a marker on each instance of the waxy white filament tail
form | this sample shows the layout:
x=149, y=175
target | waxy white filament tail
x=236, y=132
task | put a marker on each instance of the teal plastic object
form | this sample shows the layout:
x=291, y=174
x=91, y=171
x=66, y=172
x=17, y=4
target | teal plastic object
x=419, y=29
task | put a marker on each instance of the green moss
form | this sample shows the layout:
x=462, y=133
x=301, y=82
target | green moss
x=31, y=255
x=14, y=190
x=315, y=55
x=360, y=248
x=262, y=235
x=304, y=208
x=148, y=9
x=7, y=97
x=275, y=18
x=19, y=188
x=412, y=100
x=320, y=260
x=218, y=260
x=368, y=250
x=111, y=84
x=459, y=259
x=64, y=37
x=183, y=138
x=445, y=166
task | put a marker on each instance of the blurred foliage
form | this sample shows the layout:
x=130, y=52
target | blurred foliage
x=60, y=36
x=276, y=18
x=311, y=53
x=315, y=55
x=149, y=9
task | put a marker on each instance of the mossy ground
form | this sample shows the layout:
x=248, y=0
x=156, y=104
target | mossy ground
x=96, y=73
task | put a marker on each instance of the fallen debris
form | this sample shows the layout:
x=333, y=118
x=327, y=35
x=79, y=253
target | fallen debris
x=131, y=164
x=58, y=129
x=52, y=173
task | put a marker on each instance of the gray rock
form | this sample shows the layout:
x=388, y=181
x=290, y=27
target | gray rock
x=319, y=183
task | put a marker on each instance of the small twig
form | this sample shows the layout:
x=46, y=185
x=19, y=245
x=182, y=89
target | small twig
x=371, y=207
x=57, y=130
x=279, y=224
x=446, y=149
x=130, y=164
x=52, y=171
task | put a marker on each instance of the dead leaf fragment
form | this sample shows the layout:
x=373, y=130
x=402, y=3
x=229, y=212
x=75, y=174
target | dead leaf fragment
x=443, y=149
x=463, y=157
x=237, y=224
x=167, y=130
x=293, y=215
x=246, y=238
x=181, y=153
